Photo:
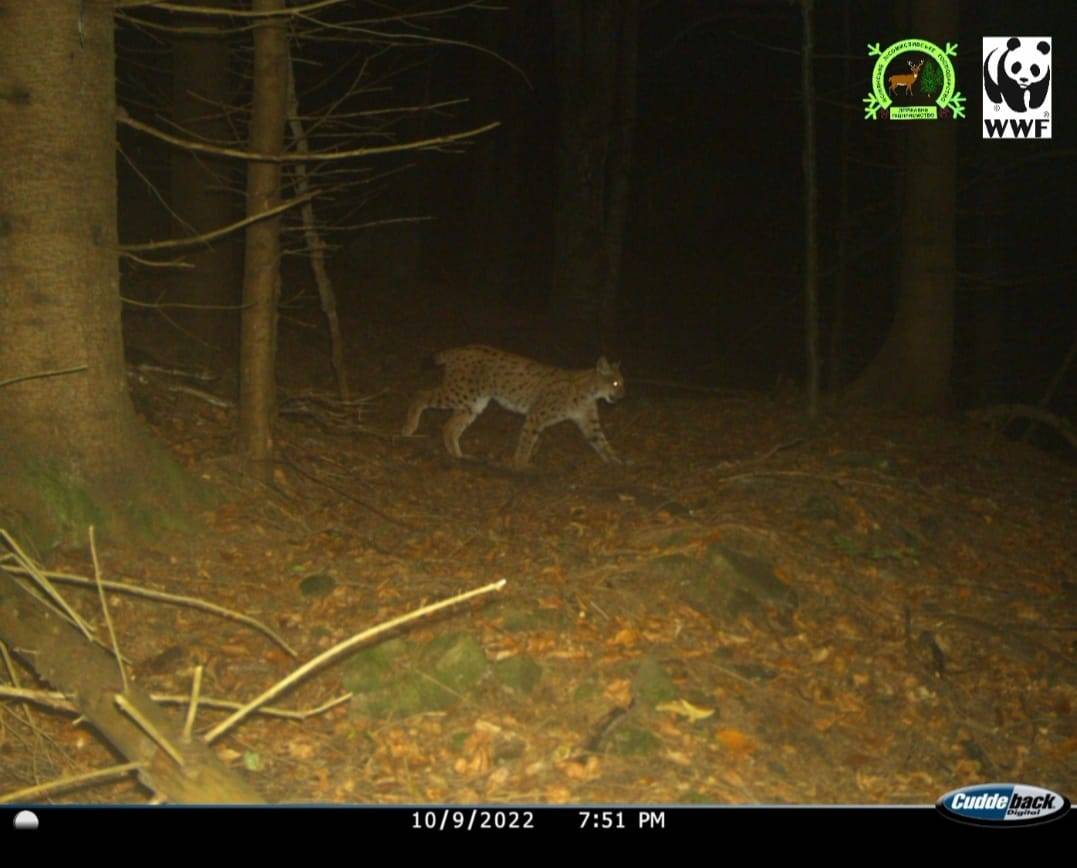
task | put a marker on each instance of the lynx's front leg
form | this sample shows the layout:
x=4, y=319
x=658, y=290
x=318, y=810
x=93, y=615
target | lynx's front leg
x=592, y=430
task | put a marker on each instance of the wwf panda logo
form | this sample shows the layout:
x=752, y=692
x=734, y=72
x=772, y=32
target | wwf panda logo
x=1023, y=68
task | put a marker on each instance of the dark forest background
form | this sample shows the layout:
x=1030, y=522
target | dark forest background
x=711, y=286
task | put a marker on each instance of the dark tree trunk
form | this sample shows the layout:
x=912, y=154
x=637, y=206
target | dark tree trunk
x=595, y=58
x=844, y=228
x=619, y=173
x=990, y=354
x=497, y=193
x=912, y=370
x=72, y=451
x=203, y=199
x=261, y=283
x=811, y=239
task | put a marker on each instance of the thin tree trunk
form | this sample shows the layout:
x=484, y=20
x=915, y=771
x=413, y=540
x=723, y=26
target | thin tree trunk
x=841, y=260
x=315, y=242
x=811, y=242
x=620, y=168
x=261, y=284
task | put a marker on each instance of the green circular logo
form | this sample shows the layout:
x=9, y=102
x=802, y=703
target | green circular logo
x=880, y=100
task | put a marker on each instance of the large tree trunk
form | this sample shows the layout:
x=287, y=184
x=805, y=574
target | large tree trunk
x=912, y=370
x=595, y=51
x=261, y=282
x=202, y=199
x=71, y=449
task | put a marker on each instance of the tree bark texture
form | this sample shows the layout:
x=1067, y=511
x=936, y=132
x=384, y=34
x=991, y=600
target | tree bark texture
x=595, y=58
x=912, y=371
x=59, y=293
x=261, y=282
x=204, y=199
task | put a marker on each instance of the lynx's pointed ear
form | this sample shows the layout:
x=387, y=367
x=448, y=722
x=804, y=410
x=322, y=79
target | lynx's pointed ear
x=604, y=367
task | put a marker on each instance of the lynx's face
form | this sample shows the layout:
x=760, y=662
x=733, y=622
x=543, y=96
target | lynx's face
x=610, y=385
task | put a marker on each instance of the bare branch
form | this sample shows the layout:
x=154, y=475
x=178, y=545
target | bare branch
x=217, y=12
x=224, y=230
x=123, y=118
x=40, y=374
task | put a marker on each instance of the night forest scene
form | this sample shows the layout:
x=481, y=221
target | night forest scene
x=536, y=403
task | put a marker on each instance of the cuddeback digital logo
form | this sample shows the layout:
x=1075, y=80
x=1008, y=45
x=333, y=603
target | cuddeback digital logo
x=1003, y=804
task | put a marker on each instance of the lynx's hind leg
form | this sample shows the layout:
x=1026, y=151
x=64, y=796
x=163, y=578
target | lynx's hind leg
x=458, y=424
x=420, y=402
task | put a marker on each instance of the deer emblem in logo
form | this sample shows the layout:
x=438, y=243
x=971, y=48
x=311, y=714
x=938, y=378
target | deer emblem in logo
x=906, y=80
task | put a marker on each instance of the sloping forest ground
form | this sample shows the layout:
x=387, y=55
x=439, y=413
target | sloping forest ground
x=877, y=609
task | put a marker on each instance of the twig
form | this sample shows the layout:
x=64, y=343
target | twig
x=1045, y=401
x=162, y=597
x=53, y=699
x=348, y=496
x=42, y=374
x=29, y=568
x=267, y=711
x=224, y=230
x=1044, y=417
x=192, y=705
x=781, y=447
x=217, y=11
x=687, y=387
x=315, y=243
x=148, y=727
x=105, y=609
x=838, y=480
x=342, y=648
x=202, y=395
x=155, y=263
x=13, y=676
x=58, y=701
x=33, y=793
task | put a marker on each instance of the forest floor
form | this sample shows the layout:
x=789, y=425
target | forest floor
x=875, y=609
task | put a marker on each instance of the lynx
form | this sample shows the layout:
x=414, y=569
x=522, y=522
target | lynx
x=545, y=395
